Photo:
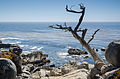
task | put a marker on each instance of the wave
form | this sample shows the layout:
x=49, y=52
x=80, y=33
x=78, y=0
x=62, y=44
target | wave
x=62, y=54
x=40, y=48
x=23, y=45
x=18, y=42
x=12, y=42
x=7, y=38
x=34, y=47
x=69, y=47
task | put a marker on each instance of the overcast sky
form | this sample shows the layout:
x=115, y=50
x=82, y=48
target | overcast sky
x=54, y=10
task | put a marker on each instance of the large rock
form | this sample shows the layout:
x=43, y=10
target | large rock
x=7, y=69
x=112, y=53
x=73, y=51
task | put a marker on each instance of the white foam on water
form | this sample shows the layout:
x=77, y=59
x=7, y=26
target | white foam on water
x=18, y=42
x=62, y=54
x=8, y=38
x=69, y=47
x=34, y=47
x=40, y=48
x=23, y=45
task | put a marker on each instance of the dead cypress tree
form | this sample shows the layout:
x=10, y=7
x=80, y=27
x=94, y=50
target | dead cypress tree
x=77, y=29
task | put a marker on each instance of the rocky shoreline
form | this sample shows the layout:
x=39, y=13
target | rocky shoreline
x=36, y=65
x=38, y=70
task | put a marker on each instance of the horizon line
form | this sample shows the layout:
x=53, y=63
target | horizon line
x=58, y=21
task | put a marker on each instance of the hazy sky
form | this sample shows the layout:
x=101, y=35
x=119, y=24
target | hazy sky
x=54, y=10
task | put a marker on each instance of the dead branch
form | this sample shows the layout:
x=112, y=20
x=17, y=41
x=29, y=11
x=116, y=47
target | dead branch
x=81, y=18
x=93, y=36
x=73, y=11
x=84, y=33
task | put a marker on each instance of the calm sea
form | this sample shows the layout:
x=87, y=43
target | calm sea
x=37, y=36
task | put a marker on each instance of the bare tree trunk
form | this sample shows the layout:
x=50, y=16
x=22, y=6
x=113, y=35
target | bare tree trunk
x=74, y=31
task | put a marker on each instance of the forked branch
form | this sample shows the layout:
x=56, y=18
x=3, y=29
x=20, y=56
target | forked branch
x=93, y=36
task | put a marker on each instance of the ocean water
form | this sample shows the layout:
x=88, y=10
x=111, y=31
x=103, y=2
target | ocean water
x=38, y=36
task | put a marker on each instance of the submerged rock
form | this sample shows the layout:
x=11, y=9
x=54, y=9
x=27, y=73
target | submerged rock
x=73, y=51
x=104, y=48
x=7, y=69
x=112, y=53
